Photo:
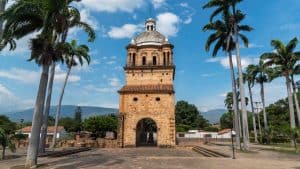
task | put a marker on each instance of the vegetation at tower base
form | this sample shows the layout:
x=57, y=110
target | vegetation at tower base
x=188, y=117
x=99, y=125
x=72, y=125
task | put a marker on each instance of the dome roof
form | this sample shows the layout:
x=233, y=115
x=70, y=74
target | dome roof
x=150, y=36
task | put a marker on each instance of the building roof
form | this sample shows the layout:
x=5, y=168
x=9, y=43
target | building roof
x=150, y=36
x=224, y=131
x=147, y=89
x=49, y=130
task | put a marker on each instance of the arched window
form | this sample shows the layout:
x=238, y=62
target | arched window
x=165, y=62
x=168, y=58
x=148, y=28
x=144, y=61
x=130, y=59
x=154, y=60
x=151, y=27
x=133, y=59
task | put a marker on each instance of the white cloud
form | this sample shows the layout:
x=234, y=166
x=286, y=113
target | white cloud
x=94, y=88
x=125, y=31
x=114, y=82
x=224, y=61
x=10, y=102
x=187, y=13
x=158, y=3
x=22, y=75
x=60, y=76
x=289, y=27
x=88, y=18
x=184, y=4
x=32, y=77
x=113, y=5
x=167, y=24
x=208, y=75
x=22, y=47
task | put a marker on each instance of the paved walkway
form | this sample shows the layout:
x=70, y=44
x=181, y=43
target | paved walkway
x=156, y=158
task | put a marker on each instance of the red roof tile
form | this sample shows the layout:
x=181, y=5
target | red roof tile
x=49, y=130
x=147, y=89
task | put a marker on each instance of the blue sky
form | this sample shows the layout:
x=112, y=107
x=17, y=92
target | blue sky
x=199, y=79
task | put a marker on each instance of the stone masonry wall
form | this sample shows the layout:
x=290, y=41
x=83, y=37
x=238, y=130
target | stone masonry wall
x=162, y=112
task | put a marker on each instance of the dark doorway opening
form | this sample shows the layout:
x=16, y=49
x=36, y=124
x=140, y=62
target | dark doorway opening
x=146, y=133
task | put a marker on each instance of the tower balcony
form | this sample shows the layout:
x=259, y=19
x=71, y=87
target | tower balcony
x=148, y=66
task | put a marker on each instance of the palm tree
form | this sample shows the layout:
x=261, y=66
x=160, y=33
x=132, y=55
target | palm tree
x=72, y=20
x=21, y=19
x=72, y=53
x=250, y=81
x=284, y=60
x=221, y=37
x=296, y=71
x=234, y=19
x=261, y=75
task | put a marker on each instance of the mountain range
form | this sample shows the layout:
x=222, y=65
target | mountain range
x=66, y=111
x=213, y=116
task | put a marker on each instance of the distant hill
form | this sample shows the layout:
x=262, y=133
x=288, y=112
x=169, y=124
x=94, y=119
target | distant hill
x=213, y=116
x=66, y=111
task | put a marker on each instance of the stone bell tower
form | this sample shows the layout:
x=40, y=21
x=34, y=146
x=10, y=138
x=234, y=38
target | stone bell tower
x=146, y=105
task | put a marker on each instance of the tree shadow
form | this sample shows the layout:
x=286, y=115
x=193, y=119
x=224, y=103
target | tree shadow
x=84, y=161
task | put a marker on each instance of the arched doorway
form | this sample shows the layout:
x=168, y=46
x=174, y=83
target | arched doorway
x=146, y=132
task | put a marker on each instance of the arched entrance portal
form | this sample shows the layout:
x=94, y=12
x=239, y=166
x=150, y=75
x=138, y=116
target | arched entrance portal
x=146, y=132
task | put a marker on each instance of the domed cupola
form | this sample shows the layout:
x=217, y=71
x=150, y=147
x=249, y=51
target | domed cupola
x=150, y=36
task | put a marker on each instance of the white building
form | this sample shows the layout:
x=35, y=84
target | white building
x=223, y=134
x=61, y=132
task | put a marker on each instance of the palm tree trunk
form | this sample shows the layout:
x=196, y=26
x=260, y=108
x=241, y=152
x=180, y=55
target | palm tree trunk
x=253, y=113
x=290, y=100
x=59, y=108
x=235, y=103
x=259, y=126
x=242, y=91
x=3, y=152
x=47, y=110
x=262, y=95
x=37, y=118
x=2, y=8
x=296, y=98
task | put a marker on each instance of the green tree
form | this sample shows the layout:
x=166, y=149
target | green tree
x=188, y=117
x=71, y=52
x=68, y=123
x=7, y=131
x=226, y=121
x=283, y=61
x=78, y=119
x=99, y=125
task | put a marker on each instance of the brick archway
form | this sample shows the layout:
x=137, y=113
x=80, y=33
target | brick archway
x=146, y=132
